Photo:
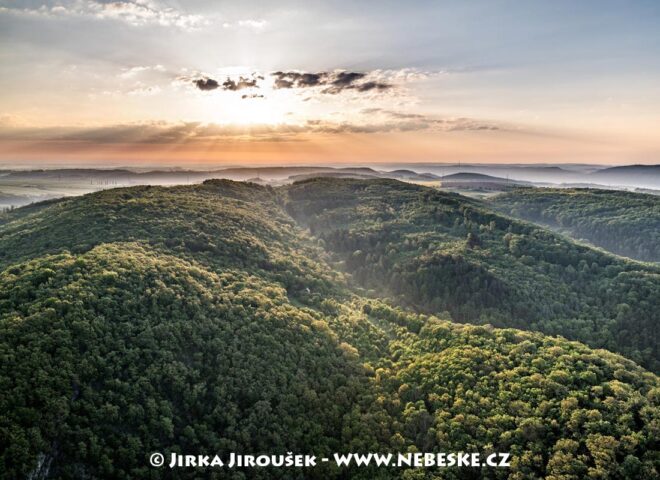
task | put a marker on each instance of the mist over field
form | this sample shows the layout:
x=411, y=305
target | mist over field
x=27, y=185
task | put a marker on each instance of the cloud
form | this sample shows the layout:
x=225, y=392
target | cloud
x=395, y=120
x=132, y=72
x=165, y=13
x=144, y=91
x=412, y=124
x=333, y=82
x=317, y=83
x=132, y=12
x=366, y=86
x=405, y=116
x=206, y=84
x=251, y=23
x=256, y=24
x=462, y=124
x=298, y=79
x=404, y=75
x=145, y=133
x=240, y=84
x=148, y=133
x=345, y=79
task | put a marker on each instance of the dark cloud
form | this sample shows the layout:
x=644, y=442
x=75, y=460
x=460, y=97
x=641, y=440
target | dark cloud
x=366, y=86
x=299, y=79
x=206, y=84
x=311, y=79
x=283, y=83
x=335, y=82
x=240, y=84
x=344, y=79
x=332, y=82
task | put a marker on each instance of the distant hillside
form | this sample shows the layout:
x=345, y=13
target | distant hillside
x=625, y=223
x=282, y=173
x=204, y=318
x=463, y=177
x=403, y=172
x=359, y=174
x=438, y=252
x=646, y=176
x=627, y=176
x=409, y=175
x=472, y=176
x=631, y=169
x=69, y=173
x=307, y=176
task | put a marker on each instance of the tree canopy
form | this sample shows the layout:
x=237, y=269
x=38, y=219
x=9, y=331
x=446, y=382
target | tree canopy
x=624, y=223
x=206, y=319
x=435, y=252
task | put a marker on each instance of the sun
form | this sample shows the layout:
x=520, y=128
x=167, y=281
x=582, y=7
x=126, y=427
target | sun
x=258, y=107
x=254, y=111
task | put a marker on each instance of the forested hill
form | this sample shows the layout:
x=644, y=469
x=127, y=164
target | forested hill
x=624, y=223
x=204, y=319
x=222, y=224
x=436, y=252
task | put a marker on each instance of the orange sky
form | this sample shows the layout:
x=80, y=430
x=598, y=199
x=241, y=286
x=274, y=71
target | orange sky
x=293, y=82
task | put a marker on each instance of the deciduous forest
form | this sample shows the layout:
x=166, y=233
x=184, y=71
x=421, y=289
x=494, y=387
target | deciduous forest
x=624, y=223
x=326, y=316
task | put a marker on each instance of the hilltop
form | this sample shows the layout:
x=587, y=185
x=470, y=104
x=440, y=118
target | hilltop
x=208, y=318
x=624, y=223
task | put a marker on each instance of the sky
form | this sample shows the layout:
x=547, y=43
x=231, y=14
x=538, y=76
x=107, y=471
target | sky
x=206, y=82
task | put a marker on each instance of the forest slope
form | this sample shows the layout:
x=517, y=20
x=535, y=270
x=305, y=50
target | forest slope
x=203, y=319
x=624, y=223
x=436, y=252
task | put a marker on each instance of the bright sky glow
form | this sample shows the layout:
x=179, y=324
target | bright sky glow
x=204, y=82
